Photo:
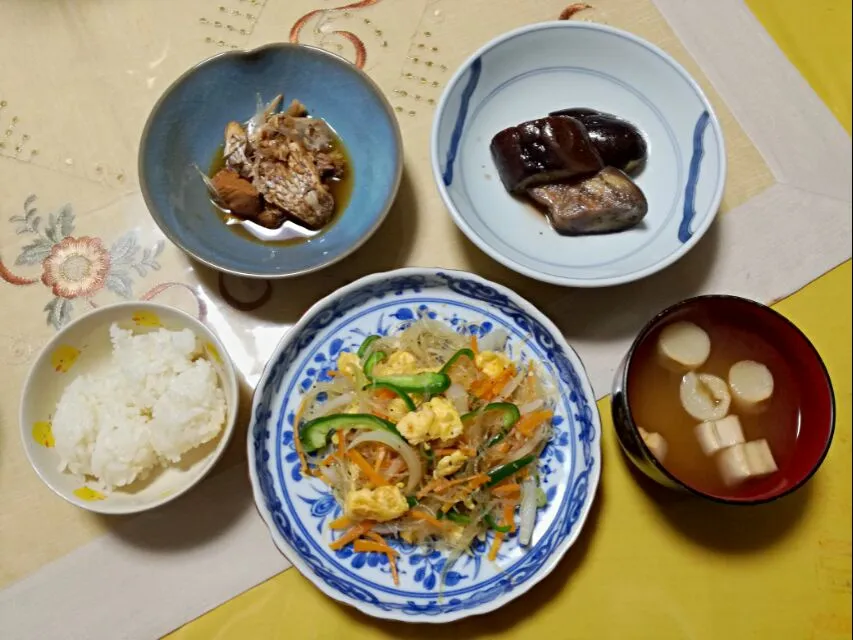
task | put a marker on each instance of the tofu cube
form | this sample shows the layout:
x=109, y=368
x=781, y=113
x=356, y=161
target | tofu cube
x=719, y=434
x=656, y=443
x=746, y=461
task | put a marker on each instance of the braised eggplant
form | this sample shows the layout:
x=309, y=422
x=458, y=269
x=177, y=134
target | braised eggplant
x=606, y=202
x=619, y=143
x=543, y=151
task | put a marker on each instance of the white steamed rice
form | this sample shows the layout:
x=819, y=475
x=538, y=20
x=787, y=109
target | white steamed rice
x=152, y=402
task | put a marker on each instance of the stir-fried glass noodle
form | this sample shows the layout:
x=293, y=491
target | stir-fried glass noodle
x=429, y=436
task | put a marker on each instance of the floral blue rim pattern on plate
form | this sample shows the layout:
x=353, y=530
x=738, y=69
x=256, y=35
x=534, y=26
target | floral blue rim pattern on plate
x=298, y=509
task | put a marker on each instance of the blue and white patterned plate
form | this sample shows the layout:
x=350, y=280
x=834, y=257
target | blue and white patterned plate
x=298, y=509
x=527, y=73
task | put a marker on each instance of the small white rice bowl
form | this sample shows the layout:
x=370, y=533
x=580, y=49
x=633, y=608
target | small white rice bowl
x=128, y=407
x=153, y=401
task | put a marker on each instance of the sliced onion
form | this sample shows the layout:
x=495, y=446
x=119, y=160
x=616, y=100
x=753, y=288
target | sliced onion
x=512, y=385
x=336, y=403
x=528, y=511
x=408, y=454
x=331, y=475
x=494, y=341
x=528, y=447
x=530, y=407
x=458, y=397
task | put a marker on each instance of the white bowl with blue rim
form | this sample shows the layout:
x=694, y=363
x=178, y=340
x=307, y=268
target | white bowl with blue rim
x=298, y=509
x=529, y=72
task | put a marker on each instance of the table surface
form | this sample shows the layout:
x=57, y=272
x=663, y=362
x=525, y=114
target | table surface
x=651, y=563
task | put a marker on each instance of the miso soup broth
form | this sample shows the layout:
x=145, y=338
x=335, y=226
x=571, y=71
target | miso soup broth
x=653, y=394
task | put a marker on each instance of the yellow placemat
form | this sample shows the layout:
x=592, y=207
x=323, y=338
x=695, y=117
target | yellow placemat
x=649, y=567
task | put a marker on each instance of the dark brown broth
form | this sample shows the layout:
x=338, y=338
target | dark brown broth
x=341, y=191
x=653, y=395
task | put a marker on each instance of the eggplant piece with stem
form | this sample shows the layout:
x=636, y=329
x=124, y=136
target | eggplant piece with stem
x=607, y=202
x=619, y=143
x=543, y=151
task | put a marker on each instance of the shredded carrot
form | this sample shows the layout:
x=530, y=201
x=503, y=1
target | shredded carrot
x=342, y=444
x=423, y=515
x=380, y=458
x=366, y=546
x=353, y=534
x=528, y=423
x=478, y=481
x=480, y=478
x=496, y=545
x=392, y=557
x=375, y=537
x=341, y=523
x=384, y=394
x=481, y=387
x=509, y=516
x=436, y=485
x=501, y=381
x=440, y=485
x=392, y=561
x=329, y=459
x=475, y=346
x=365, y=467
x=503, y=447
x=511, y=490
x=334, y=372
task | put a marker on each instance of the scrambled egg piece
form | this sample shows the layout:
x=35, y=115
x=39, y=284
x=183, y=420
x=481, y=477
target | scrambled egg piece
x=348, y=364
x=353, y=407
x=396, y=409
x=380, y=504
x=399, y=363
x=453, y=533
x=448, y=465
x=492, y=363
x=436, y=419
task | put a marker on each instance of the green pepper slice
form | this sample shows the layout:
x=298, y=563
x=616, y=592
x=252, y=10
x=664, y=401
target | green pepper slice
x=316, y=433
x=458, y=518
x=410, y=405
x=375, y=358
x=426, y=383
x=509, y=416
x=509, y=413
x=504, y=471
x=369, y=340
x=412, y=501
x=500, y=528
x=466, y=353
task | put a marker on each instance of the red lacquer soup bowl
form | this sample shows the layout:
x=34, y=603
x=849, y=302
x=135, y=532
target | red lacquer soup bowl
x=804, y=418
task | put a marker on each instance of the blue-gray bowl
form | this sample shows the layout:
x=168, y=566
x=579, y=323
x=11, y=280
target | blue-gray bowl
x=186, y=128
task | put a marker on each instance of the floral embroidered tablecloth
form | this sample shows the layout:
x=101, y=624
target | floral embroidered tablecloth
x=78, y=82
